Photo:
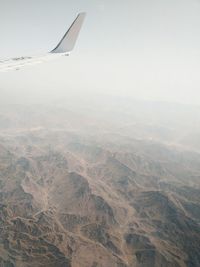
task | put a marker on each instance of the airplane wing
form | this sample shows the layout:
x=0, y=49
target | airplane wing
x=64, y=47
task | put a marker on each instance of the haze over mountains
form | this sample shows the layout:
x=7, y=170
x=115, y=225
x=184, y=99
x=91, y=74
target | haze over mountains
x=100, y=182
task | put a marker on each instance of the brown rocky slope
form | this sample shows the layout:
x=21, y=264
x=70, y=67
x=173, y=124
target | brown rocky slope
x=99, y=200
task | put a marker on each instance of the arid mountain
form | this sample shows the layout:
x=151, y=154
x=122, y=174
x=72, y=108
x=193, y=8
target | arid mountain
x=87, y=189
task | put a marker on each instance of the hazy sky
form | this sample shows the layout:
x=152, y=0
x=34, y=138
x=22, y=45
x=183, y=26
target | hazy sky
x=142, y=48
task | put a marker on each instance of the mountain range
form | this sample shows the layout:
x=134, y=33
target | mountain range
x=110, y=183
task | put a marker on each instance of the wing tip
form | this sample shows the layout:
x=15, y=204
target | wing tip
x=68, y=41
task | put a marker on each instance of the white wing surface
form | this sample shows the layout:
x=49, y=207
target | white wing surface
x=64, y=47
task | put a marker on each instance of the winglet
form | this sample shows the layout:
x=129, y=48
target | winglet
x=68, y=41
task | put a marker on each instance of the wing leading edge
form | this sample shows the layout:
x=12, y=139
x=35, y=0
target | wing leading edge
x=64, y=47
